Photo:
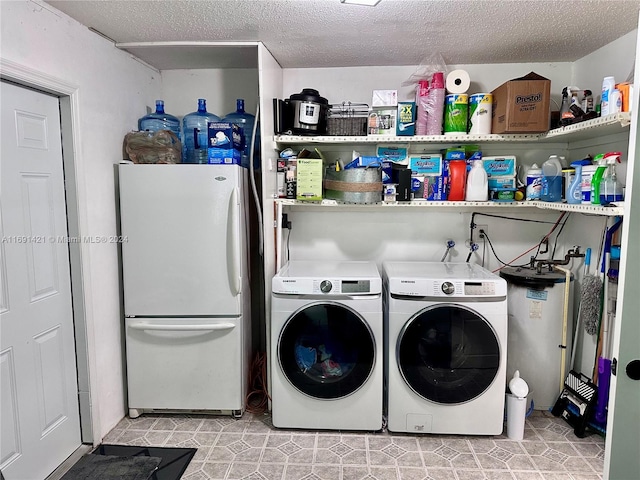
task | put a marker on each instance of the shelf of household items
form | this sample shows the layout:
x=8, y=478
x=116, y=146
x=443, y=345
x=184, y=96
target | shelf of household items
x=609, y=124
x=609, y=210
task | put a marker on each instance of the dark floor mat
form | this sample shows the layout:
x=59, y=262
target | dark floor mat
x=174, y=460
x=111, y=467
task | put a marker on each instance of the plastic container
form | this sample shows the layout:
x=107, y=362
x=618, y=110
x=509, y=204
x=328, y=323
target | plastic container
x=534, y=183
x=587, y=101
x=457, y=180
x=195, y=134
x=159, y=120
x=574, y=190
x=246, y=121
x=610, y=188
x=591, y=186
x=615, y=103
x=516, y=414
x=551, y=180
x=477, y=183
x=608, y=85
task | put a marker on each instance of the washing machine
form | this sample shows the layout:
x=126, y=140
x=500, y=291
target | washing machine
x=446, y=337
x=326, y=347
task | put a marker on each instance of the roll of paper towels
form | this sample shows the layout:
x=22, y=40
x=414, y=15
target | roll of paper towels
x=458, y=81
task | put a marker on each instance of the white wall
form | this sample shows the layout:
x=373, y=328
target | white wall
x=113, y=90
x=220, y=87
x=615, y=59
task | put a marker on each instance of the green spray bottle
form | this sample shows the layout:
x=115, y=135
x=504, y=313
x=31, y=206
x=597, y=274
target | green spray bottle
x=597, y=178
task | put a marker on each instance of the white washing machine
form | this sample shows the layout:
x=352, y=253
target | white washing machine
x=446, y=334
x=327, y=346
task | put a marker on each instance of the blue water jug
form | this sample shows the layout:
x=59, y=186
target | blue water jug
x=159, y=120
x=551, y=180
x=195, y=127
x=246, y=121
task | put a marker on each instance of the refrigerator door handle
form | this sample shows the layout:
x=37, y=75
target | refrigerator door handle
x=233, y=241
x=182, y=327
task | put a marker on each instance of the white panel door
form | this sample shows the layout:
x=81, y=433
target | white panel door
x=182, y=250
x=39, y=393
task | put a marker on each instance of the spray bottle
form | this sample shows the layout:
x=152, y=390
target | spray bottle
x=610, y=188
x=596, y=179
x=587, y=101
x=565, y=114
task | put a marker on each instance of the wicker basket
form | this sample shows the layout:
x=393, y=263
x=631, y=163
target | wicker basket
x=348, y=119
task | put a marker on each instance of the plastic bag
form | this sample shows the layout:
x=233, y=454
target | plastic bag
x=162, y=146
x=429, y=65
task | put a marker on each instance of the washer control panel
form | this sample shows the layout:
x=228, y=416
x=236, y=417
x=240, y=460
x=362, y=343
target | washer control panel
x=445, y=288
x=341, y=286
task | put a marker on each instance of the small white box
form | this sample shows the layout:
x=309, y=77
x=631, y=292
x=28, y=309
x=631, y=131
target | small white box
x=385, y=98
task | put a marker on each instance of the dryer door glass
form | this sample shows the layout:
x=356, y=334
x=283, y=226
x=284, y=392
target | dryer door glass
x=448, y=354
x=326, y=350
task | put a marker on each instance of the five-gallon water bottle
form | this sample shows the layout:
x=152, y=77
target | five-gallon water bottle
x=159, y=120
x=195, y=134
x=246, y=121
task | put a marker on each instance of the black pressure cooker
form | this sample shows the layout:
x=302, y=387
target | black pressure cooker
x=305, y=113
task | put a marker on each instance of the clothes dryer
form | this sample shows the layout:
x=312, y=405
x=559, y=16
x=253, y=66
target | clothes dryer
x=446, y=334
x=326, y=347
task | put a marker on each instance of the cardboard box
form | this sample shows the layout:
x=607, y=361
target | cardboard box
x=406, y=125
x=521, y=105
x=225, y=156
x=309, y=179
x=225, y=135
x=382, y=121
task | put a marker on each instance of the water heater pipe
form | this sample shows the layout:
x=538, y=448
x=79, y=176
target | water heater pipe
x=565, y=319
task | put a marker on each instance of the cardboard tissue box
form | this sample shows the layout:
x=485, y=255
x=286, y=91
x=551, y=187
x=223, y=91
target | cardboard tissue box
x=521, y=105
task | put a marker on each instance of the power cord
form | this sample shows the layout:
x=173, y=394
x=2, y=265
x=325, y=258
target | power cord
x=258, y=397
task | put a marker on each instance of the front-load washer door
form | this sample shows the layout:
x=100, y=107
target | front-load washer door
x=448, y=354
x=326, y=350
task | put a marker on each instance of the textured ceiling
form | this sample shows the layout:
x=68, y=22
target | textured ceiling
x=326, y=33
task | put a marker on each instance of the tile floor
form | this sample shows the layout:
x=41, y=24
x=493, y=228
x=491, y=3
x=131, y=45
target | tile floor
x=251, y=448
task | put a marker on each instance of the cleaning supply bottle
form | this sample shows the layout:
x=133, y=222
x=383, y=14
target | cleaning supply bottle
x=610, y=188
x=534, y=183
x=596, y=179
x=457, y=180
x=477, y=183
x=565, y=114
x=587, y=101
x=608, y=85
x=195, y=129
x=551, y=180
x=574, y=191
x=615, y=103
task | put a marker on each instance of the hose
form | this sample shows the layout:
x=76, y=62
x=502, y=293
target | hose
x=254, y=189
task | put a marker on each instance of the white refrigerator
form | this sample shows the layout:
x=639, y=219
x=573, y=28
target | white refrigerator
x=186, y=287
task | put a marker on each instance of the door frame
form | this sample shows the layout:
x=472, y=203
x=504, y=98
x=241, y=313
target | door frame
x=67, y=94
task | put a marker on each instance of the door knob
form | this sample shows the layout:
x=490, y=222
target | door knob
x=633, y=369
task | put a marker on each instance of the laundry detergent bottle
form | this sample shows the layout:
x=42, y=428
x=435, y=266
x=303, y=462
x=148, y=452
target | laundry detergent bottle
x=477, y=183
x=574, y=192
x=551, y=180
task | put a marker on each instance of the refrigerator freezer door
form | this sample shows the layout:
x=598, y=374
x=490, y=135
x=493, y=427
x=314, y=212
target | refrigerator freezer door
x=185, y=363
x=183, y=239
